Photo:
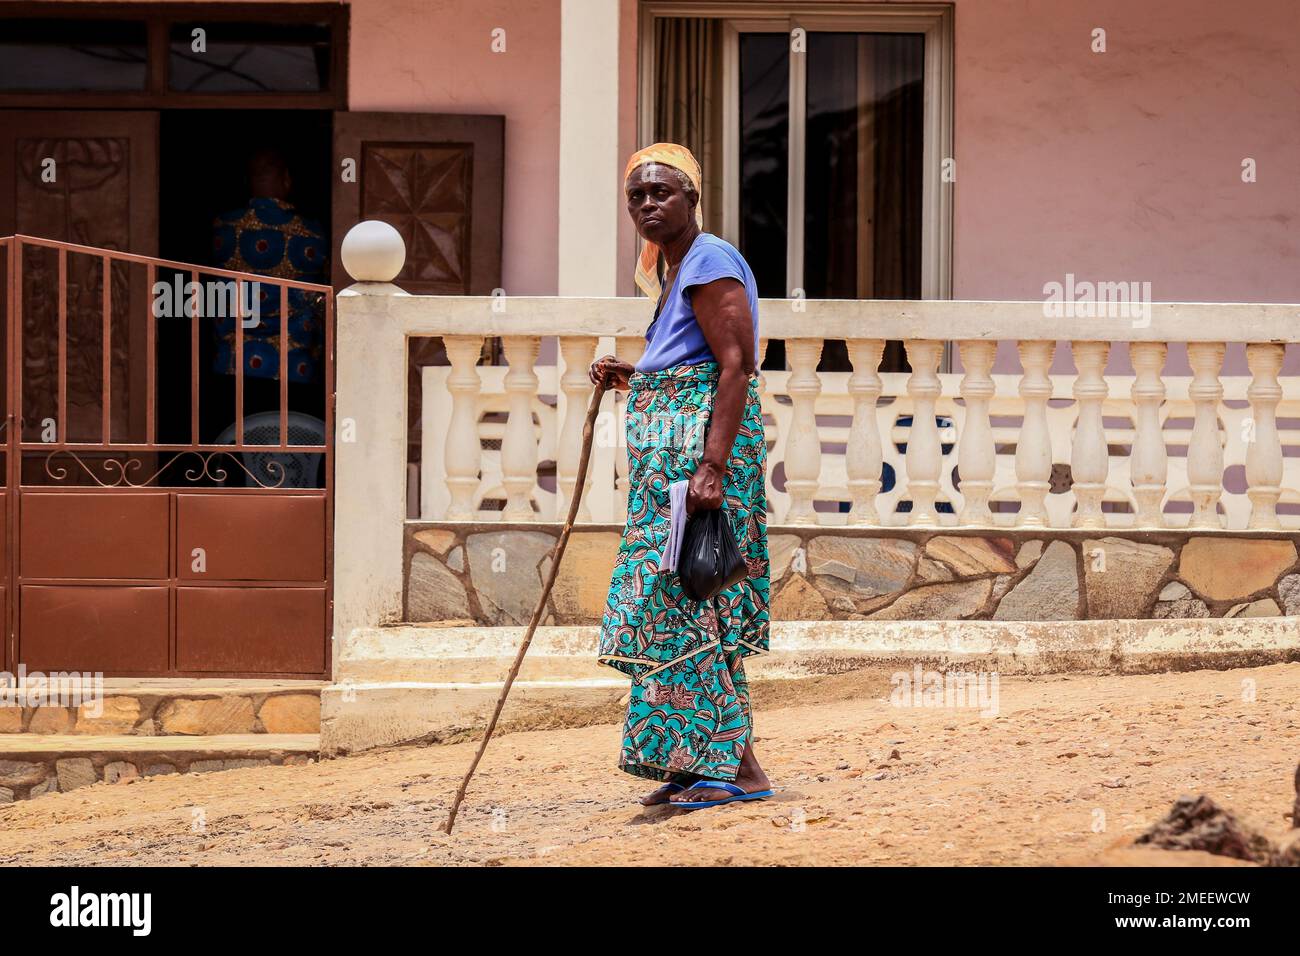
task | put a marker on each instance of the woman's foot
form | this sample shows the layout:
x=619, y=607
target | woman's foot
x=667, y=791
x=750, y=778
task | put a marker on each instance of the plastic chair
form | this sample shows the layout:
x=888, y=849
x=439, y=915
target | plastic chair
x=300, y=469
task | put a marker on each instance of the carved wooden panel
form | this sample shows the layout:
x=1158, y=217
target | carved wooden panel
x=101, y=190
x=439, y=179
x=424, y=191
x=88, y=200
x=87, y=203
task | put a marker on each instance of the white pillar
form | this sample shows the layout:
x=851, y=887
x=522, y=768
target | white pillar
x=862, y=458
x=924, y=451
x=1034, y=447
x=1089, y=455
x=1148, y=461
x=463, y=450
x=1204, y=449
x=591, y=200
x=519, y=445
x=976, y=453
x=803, y=446
x=1264, y=451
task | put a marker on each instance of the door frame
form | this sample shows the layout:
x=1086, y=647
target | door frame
x=158, y=19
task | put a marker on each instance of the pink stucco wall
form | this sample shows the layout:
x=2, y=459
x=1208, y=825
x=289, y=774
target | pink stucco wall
x=435, y=56
x=1127, y=164
x=1117, y=166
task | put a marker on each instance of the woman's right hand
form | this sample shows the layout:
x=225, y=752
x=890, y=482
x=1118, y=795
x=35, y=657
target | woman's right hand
x=613, y=372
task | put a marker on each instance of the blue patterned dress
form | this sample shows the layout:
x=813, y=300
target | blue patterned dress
x=268, y=237
x=689, y=710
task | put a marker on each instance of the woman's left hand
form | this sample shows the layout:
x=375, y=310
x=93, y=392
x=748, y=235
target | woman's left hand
x=704, y=493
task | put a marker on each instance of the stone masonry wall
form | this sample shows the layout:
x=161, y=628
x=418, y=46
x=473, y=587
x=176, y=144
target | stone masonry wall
x=492, y=574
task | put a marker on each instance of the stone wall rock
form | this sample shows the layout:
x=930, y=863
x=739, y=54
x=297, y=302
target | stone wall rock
x=861, y=567
x=1121, y=582
x=207, y=716
x=432, y=592
x=1050, y=592
x=1221, y=568
x=504, y=571
x=938, y=602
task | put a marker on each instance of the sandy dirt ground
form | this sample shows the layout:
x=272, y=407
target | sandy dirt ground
x=1071, y=769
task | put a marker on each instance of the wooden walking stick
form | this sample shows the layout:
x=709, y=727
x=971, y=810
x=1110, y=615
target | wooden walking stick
x=588, y=429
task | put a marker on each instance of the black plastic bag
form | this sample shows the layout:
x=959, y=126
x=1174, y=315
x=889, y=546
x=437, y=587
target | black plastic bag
x=710, y=559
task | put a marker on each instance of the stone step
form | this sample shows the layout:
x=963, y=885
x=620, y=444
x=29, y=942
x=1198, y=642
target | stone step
x=408, y=683
x=159, y=707
x=421, y=653
x=32, y=765
x=361, y=716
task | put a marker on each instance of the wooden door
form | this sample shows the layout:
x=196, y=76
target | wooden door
x=104, y=191
x=437, y=178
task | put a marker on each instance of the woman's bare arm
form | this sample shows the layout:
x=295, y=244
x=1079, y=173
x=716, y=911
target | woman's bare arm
x=722, y=310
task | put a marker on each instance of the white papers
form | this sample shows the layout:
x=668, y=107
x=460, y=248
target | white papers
x=676, y=523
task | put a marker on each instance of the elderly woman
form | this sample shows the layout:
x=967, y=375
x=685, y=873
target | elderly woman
x=692, y=414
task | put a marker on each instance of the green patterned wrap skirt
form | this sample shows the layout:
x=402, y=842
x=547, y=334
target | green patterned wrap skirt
x=688, y=712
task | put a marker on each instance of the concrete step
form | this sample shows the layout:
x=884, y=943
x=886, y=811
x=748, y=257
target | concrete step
x=408, y=683
x=32, y=765
x=178, y=706
x=362, y=716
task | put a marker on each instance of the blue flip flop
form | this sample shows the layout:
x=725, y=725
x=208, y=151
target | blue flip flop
x=736, y=794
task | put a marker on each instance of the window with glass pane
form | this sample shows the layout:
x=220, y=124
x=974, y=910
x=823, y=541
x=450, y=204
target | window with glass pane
x=250, y=58
x=765, y=157
x=863, y=170
x=67, y=55
x=862, y=142
x=862, y=186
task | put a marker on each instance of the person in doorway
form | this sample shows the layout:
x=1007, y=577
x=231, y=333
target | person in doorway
x=269, y=237
x=688, y=723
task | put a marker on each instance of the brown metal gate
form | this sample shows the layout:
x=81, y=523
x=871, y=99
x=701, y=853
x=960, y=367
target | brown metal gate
x=134, y=549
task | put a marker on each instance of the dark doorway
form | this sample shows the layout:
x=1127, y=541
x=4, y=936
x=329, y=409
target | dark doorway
x=204, y=162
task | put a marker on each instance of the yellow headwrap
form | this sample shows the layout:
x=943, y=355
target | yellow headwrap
x=678, y=157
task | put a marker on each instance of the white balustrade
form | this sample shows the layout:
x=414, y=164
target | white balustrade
x=1034, y=449
x=1263, y=446
x=839, y=436
x=1205, y=450
x=924, y=461
x=803, y=463
x=463, y=449
x=1148, y=460
x=519, y=446
x=977, y=454
x=1089, y=458
x=862, y=458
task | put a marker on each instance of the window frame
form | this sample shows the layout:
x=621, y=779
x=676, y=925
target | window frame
x=158, y=20
x=933, y=20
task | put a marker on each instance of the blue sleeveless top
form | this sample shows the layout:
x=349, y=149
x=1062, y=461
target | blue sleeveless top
x=674, y=336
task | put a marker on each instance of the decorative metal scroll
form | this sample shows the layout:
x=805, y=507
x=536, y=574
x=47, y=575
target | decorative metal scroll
x=126, y=469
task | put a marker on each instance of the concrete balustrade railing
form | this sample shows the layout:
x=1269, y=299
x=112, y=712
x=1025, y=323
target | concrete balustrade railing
x=1037, y=434
x=971, y=448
